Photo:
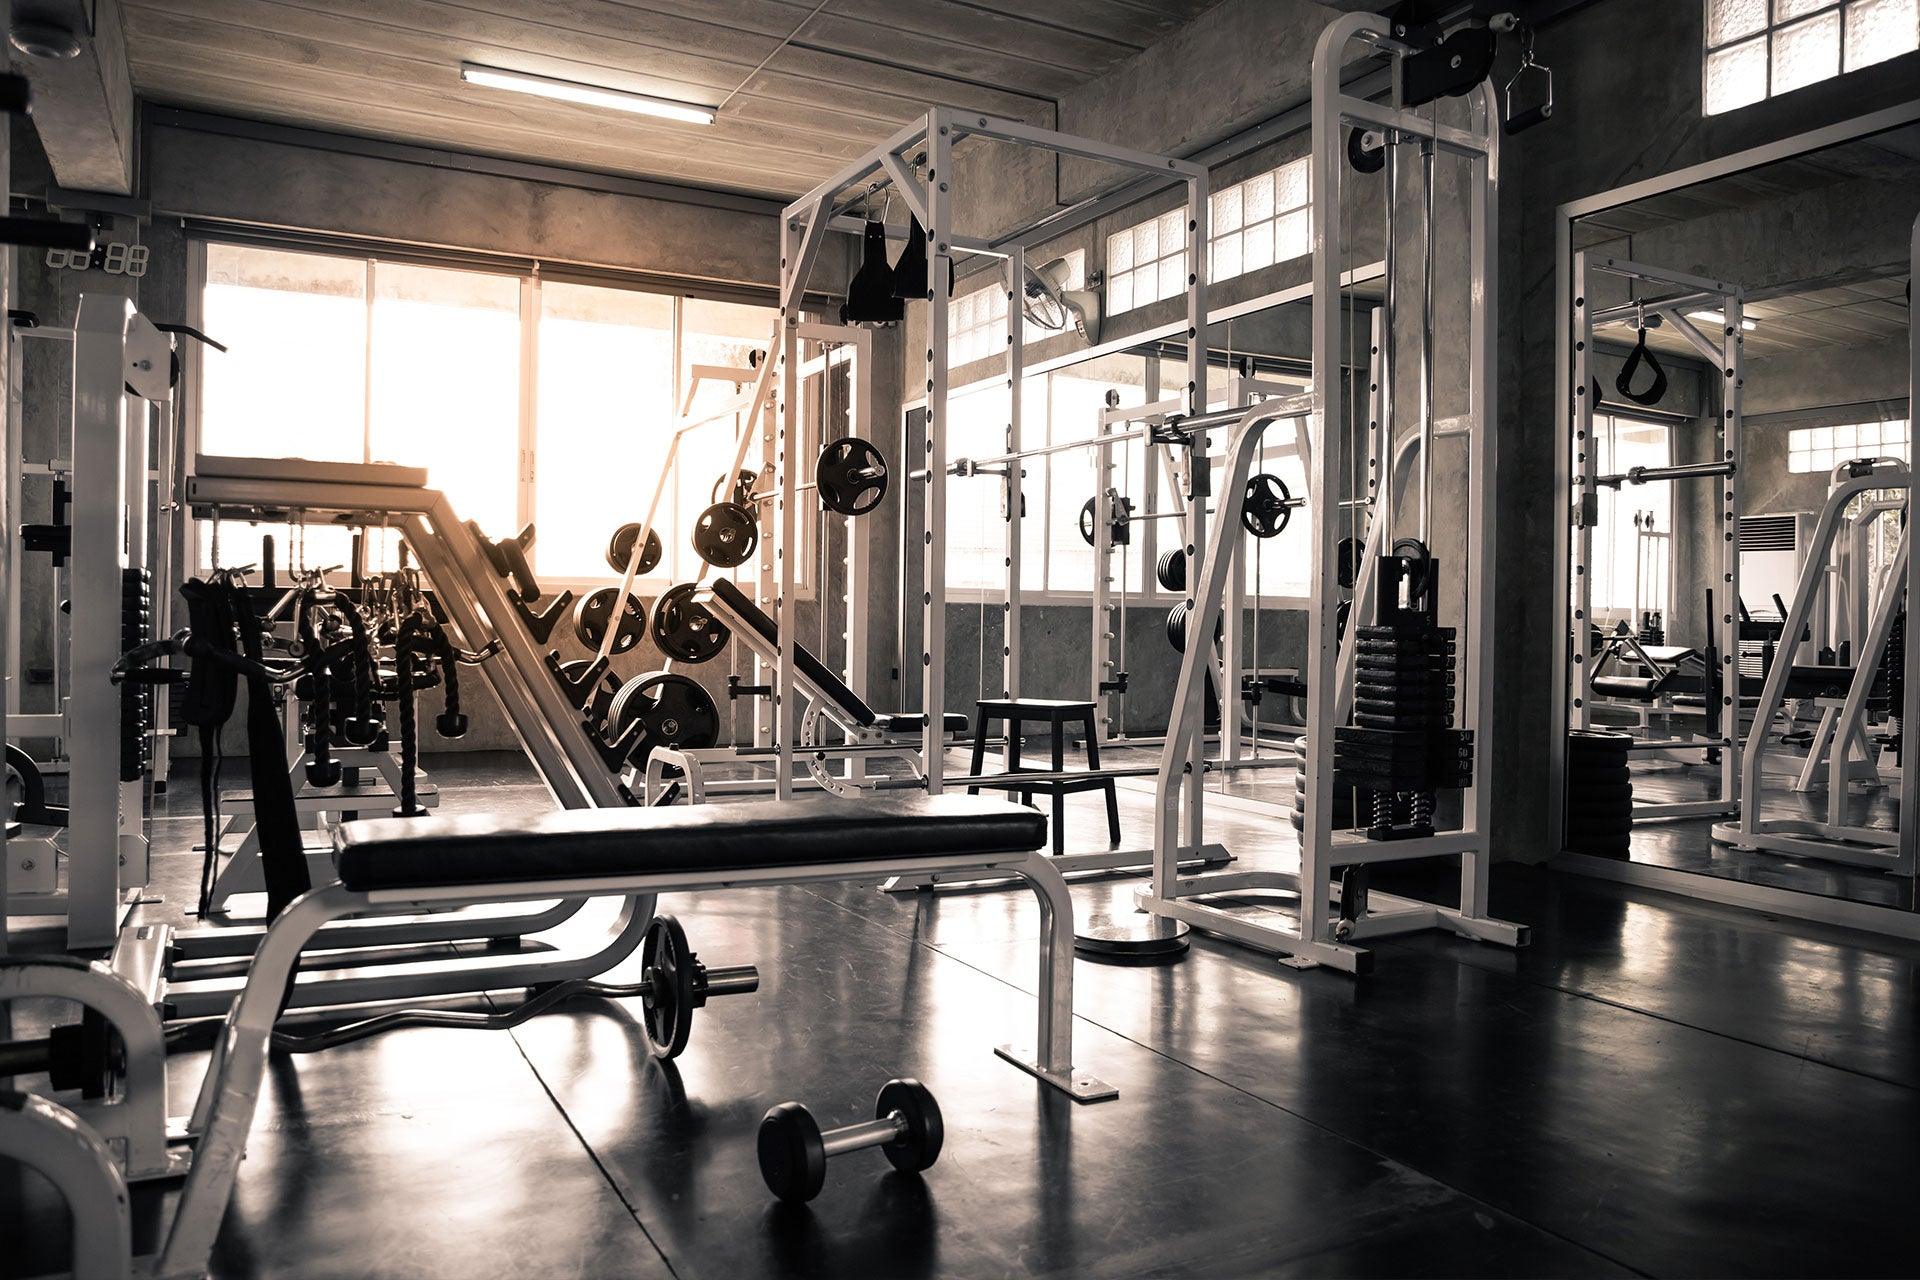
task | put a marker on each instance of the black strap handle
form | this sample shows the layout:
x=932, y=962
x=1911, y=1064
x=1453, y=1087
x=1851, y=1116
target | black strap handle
x=1657, y=389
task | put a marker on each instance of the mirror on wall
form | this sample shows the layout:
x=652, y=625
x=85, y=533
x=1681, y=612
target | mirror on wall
x=1738, y=477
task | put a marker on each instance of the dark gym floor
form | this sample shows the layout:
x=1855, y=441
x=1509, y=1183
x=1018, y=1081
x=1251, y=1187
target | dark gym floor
x=1656, y=1086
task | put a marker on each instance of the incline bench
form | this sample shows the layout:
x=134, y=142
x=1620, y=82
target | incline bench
x=823, y=688
x=396, y=866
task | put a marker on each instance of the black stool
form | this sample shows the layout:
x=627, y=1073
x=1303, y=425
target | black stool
x=1018, y=711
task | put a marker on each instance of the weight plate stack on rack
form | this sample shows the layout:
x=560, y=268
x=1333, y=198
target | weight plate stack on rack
x=1343, y=797
x=1599, y=793
x=136, y=700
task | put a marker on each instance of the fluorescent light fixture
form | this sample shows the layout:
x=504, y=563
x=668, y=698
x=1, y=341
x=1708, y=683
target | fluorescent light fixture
x=587, y=95
x=1715, y=317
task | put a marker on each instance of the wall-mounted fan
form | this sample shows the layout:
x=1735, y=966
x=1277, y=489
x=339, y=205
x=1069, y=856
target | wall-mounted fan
x=1051, y=305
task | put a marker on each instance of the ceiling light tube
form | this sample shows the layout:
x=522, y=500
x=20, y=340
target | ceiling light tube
x=587, y=95
x=1715, y=317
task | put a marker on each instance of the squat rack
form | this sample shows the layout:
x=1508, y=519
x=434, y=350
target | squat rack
x=804, y=225
x=1580, y=481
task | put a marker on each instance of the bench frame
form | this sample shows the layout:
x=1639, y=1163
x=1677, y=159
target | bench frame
x=230, y=1092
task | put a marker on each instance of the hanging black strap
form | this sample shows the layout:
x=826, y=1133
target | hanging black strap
x=282, y=857
x=1657, y=389
x=212, y=688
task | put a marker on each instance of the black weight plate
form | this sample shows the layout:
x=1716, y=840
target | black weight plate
x=667, y=1007
x=1171, y=569
x=793, y=1159
x=593, y=612
x=685, y=629
x=620, y=546
x=850, y=476
x=1268, y=508
x=676, y=711
x=919, y=1146
x=726, y=534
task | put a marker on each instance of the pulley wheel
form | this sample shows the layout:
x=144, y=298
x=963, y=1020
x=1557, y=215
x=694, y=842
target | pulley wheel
x=726, y=534
x=667, y=1008
x=620, y=546
x=675, y=711
x=1268, y=508
x=1363, y=158
x=851, y=476
x=595, y=611
x=685, y=629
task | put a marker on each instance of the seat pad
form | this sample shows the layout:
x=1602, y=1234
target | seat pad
x=411, y=853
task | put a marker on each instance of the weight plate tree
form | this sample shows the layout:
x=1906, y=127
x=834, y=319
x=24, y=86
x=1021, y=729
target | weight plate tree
x=685, y=629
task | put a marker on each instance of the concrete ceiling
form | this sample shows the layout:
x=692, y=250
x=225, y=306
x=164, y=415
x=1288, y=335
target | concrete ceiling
x=806, y=84
x=1835, y=313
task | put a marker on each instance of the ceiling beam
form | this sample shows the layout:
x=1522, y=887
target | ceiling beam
x=83, y=105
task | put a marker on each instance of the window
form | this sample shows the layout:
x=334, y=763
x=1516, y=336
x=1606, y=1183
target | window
x=1065, y=405
x=1821, y=449
x=1261, y=221
x=1757, y=49
x=1252, y=224
x=1148, y=262
x=977, y=325
x=1625, y=571
x=352, y=359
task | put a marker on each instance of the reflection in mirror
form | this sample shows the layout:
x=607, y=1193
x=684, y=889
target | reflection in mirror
x=1739, y=473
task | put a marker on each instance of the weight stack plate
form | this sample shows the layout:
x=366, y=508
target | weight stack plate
x=1599, y=795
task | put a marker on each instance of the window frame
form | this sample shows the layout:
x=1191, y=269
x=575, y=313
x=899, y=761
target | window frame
x=1766, y=33
x=531, y=280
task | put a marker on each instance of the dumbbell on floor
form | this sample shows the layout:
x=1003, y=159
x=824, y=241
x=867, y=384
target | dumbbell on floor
x=677, y=983
x=793, y=1150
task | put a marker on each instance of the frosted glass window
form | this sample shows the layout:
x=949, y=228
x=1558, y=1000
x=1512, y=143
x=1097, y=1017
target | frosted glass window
x=1881, y=29
x=1758, y=48
x=1806, y=52
x=1821, y=449
x=1729, y=20
x=1736, y=76
x=1253, y=224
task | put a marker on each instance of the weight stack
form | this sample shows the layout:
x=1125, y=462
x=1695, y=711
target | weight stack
x=1599, y=793
x=136, y=700
x=1402, y=746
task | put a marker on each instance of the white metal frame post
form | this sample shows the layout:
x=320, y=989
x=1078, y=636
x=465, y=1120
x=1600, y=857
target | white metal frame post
x=1013, y=490
x=115, y=348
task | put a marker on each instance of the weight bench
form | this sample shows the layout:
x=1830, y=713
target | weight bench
x=400, y=866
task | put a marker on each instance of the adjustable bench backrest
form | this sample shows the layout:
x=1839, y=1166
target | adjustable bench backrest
x=748, y=621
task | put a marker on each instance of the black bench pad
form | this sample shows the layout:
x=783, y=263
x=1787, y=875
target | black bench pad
x=417, y=853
